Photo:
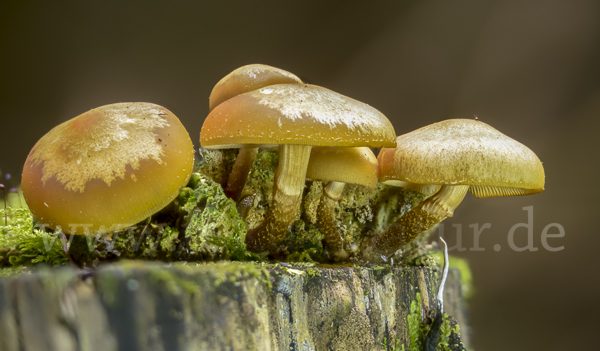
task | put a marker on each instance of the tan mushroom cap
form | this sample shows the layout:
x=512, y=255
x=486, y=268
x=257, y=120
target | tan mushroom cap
x=467, y=152
x=108, y=168
x=351, y=165
x=248, y=78
x=295, y=114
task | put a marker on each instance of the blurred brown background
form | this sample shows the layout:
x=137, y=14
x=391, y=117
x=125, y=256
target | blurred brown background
x=529, y=68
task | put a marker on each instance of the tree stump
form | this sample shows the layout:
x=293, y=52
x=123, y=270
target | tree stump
x=134, y=305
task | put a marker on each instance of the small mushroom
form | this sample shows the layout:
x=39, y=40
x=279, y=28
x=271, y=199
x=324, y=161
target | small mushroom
x=243, y=80
x=108, y=168
x=338, y=166
x=295, y=117
x=445, y=160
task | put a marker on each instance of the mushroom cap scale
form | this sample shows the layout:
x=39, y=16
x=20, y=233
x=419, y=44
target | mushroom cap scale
x=108, y=168
x=462, y=151
x=248, y=78
x=352, y=165
x=295, y=114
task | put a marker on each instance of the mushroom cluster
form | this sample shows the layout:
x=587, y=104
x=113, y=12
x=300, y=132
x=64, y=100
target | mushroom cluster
x=326, y=136
x=118, y=164
x=294, y=117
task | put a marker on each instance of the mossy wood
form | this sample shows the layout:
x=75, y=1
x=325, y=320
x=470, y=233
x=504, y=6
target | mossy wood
x=226, y=306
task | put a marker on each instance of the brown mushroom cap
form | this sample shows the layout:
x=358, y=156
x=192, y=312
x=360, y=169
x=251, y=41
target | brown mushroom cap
x=108, y=168
x=295, y=114
x=463, y=152
x=248, y=78
x=352, y=165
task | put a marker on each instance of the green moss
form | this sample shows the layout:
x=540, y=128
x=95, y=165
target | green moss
x=391, y=203
x=417, y=254
x=354, y=213
x=168, y=240
x=13, y=272
x=445, y=332
x=235, y=271
x=262, y=175
x=22, y=244
x=416, y=330
x=216, y=164
x=312, y=272
x=305, y=243
x=214, y=229
x=170, y=280
x=396, y=346
x=258, y=190
x=202, y=224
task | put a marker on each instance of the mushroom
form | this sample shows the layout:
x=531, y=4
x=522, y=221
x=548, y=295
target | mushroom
x=295, y=117
x=445, y=160
x=243, y=80
x=108, y=168
x=338, y=166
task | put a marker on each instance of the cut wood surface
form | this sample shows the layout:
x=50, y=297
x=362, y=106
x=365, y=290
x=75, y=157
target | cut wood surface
x=222, y=306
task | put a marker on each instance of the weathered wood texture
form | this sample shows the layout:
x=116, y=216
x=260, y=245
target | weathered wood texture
x=151, y=306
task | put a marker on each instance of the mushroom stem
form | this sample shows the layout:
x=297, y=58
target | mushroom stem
x=239, y=172
x=326, y=220
x=427, y=214
x=287, y=194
